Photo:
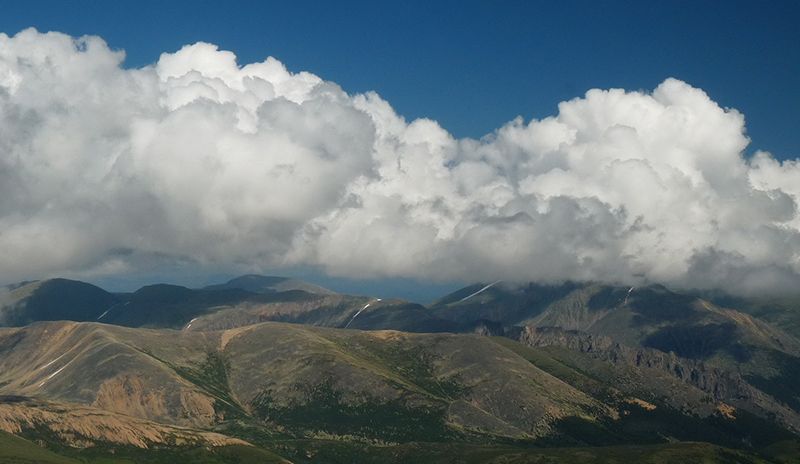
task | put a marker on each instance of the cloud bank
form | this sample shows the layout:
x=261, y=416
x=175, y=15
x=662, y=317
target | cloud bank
x=199, y=161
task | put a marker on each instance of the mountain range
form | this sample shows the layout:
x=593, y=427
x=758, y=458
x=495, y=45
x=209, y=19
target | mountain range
x=271, y=369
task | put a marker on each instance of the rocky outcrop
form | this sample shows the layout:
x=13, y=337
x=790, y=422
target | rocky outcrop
x=723, y=385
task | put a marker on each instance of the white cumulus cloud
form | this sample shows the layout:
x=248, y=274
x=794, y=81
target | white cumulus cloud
x=201, y=161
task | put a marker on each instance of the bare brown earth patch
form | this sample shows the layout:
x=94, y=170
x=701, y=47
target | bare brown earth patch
x=82, y=426
x=128, y=394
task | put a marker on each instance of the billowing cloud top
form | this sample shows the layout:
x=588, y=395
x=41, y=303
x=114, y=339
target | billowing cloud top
x=197, y=160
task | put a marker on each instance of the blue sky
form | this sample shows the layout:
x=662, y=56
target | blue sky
x=473, y=67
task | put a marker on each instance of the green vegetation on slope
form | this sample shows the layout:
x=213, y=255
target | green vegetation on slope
x=16, y=450
x=324, y=411
x=413, y=363
x=419, y=413
x=231, y=454
x=383, y=388
x=212, y=376
x=333, y=452
x=783, y=386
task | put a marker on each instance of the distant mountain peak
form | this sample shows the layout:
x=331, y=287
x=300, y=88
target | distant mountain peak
x=54, y=299
x=269, y=284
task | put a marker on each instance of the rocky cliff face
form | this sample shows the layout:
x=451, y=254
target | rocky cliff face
x=723, y=385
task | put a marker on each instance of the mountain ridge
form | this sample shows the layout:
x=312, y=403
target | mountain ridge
x=578, y=364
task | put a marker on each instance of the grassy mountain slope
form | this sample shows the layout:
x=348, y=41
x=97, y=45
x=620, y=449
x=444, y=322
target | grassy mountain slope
x=91, y=364
x=322, y=452
x=351, y=393
x=687, y=371
x=387, y=386
x=16, y=450
x=395, y=386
